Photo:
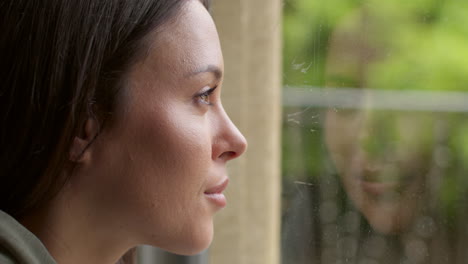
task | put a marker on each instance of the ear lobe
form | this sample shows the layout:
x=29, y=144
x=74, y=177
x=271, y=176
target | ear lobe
x=79, y=149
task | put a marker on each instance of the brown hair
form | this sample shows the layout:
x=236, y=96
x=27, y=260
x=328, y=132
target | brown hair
x=62, y=61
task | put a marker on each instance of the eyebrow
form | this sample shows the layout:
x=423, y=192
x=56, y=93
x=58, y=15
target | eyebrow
x=218, y=73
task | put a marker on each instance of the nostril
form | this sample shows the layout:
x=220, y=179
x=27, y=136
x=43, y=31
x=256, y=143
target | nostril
x=228, y=155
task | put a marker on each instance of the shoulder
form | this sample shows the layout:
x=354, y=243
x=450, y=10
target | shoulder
x=19, y=245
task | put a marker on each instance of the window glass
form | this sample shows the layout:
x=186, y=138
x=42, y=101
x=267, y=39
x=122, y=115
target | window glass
x=375, y=131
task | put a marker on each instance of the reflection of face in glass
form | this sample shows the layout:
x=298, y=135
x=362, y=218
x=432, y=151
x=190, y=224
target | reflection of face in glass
x=382, y=158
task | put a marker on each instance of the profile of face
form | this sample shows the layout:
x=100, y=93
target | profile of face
x=382, y=158
x=156, y=173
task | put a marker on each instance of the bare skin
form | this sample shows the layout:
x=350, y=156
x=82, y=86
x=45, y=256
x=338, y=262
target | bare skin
x=147, y=177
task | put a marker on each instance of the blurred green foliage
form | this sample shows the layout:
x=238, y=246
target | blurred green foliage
x=418, y=44
x=397, y=44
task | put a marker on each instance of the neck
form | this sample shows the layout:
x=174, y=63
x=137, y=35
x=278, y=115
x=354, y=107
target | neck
x=74, y=233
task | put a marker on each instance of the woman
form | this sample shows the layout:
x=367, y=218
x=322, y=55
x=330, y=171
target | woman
x=113, y=133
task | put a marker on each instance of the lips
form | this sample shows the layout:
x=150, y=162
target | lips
x=378, y=188
x=218, y=188
x=215, y=194
x=386, y=181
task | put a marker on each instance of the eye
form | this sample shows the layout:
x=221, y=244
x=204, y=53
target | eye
x=205, y=97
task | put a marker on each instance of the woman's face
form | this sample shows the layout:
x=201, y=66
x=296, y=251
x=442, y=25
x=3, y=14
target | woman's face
x=382, y=158
x=157, y=172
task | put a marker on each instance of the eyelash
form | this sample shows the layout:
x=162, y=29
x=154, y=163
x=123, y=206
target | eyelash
x=206, y=94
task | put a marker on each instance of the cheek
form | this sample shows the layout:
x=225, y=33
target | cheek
x=172, y=167
x=149, y=174
x=176, y=147
x=169, y=149
x=161, y=166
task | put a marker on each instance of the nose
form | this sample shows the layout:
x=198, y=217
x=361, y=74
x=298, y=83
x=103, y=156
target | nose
x=229, y=143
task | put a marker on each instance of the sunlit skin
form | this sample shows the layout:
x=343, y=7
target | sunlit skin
x=382, y=164
x=144, y=179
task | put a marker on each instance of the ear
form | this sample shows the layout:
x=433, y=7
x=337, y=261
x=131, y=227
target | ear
x=80, y=147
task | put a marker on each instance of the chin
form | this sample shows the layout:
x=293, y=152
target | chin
x=193, y=242
x=389, y=220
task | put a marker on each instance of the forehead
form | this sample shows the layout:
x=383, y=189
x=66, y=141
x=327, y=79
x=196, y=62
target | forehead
x=187, y=43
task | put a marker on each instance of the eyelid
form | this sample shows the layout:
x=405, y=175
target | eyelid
x=207, y=93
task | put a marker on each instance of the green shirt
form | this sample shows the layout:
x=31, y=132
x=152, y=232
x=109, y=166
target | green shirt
x=19, y=246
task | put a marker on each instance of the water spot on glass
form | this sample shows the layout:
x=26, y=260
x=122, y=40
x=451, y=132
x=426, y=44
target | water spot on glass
x=306, y=69
x=299, y=66
x=294, y=121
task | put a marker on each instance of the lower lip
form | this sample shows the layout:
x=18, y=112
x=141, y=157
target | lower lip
x=377, y=188
x=217, y=198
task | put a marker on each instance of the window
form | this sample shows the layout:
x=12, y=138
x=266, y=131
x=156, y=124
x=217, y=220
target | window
x=375, y=132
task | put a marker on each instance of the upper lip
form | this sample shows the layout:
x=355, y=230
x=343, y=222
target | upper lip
x=218, y=188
